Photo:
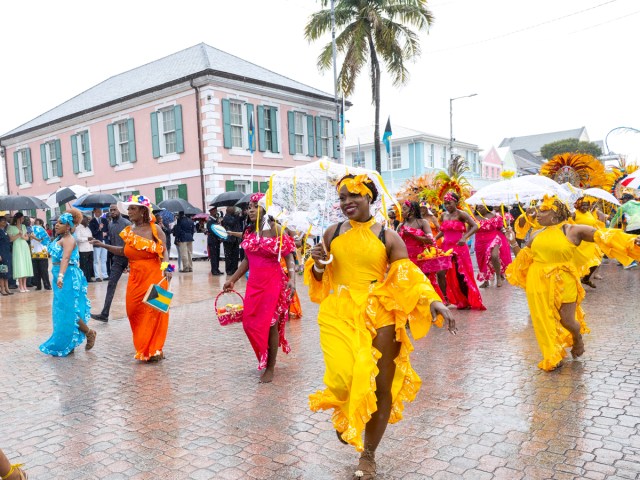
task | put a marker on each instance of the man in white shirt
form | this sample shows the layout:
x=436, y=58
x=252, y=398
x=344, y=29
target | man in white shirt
x=83, y=234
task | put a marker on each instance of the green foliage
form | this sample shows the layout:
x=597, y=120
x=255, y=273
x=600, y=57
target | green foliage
x=369, y=32
x=570, y=145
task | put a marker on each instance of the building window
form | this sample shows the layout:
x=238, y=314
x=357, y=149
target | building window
x=80, y=152
x=52, y=160
x=167, y=127
x=299, y=133
x=357, y=159
x=269, y=125
x=431, y=153
x=237, y=125
x=396, y=158
x=23, y=167
x=243, y=186
x=171, y=193
x=443, y=157
x=325, y=136
x=122, y=143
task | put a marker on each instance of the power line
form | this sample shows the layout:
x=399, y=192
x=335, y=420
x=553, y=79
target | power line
x=608, y=21
x=524, y=29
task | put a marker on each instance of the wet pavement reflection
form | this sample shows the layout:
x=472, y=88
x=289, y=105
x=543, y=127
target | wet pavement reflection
x=485, y=411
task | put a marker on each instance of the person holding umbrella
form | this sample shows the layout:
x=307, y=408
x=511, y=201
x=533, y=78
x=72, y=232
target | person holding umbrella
x=213, y=241
x=99, y=231
x=183, y=232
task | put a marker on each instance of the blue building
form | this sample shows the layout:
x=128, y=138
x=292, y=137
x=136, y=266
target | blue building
x=413, y=153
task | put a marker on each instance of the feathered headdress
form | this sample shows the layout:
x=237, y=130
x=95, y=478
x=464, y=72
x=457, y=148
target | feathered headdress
x=414, y=188
x=453, y=179
x=579, y=169
x=614, y=177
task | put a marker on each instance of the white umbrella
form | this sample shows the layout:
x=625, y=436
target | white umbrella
x=508, y=192
x=602, y=195
x=66, y=194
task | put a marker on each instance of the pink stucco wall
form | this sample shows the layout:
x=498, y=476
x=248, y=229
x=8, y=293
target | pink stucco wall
x=491, y=165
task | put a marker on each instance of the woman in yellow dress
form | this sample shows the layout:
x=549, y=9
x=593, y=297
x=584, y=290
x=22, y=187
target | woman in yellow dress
x=546, y=268
x=589, y=254
x=367, y=294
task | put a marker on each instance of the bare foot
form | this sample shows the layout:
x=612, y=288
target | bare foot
x=499, y=281
x=597, y=277
x=91, y=339
x=578, y=347
x=484, y=284
x=366, y=467
x=267, y=376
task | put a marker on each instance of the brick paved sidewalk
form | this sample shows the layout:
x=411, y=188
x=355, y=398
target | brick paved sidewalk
x=484, y=412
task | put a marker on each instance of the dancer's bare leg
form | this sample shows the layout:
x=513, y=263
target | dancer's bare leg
x=495, y=262
x=568, y=321
x=267, y=376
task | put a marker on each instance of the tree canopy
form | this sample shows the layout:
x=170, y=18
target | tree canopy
x=570, y=145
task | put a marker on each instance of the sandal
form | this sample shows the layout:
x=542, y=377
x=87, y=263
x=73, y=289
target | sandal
x=588, y=282
x=342, y=440
x=366, y=466
x=15, y=469
x=91, y=339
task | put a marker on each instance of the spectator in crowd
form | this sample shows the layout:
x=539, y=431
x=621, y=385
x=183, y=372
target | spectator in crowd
x=167, y=233
x=213, y=241
x=83, y=235
x=99, y=231
x=119, y=264
x=5, y=258
x=232, y=223
x=40, y=256
x=183, y=232
x=21, y=253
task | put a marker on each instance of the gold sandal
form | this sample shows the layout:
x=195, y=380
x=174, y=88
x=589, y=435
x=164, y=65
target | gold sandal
x=366, y=466
x=16, y=469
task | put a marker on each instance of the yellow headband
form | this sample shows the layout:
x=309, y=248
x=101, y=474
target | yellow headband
x=548, y=203
x=356, y=185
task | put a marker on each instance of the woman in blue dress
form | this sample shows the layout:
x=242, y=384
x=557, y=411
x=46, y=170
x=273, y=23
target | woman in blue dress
x=71, y=308
x=5, y=257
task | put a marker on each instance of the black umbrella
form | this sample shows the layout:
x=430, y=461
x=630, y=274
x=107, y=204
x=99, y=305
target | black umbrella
x=176, y=205
x=244, y=201
x=227, y=199
x=22, y=202
x=96, y=200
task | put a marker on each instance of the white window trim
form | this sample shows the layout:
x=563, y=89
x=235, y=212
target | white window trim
x=239, y=152
x=78, y=145
x=47, y=152
x=303, y=158
x=245, y=128
x=166, y=189
x=116, y=135
x=305, y=136
x=161, y=132
x=270, y=154
x=22, y=154
x=22, y=186
x=90, y=173
x=172, y=157
x=54, y=180
x=123, y=166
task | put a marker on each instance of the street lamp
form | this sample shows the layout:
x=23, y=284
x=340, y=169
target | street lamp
x=451, y=122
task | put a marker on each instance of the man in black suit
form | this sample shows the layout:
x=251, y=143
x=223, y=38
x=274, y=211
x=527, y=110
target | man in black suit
x=213, y=241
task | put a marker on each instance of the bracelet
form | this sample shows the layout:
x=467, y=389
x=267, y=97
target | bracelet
x=61, y=275
x=317, y=270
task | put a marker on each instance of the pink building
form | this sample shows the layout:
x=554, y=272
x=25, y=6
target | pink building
x=177, y=127
x=492, y=165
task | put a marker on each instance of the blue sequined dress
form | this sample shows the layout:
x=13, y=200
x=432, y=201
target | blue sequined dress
x=70, y=303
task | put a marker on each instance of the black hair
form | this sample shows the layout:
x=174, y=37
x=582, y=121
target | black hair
x=16, y=216
x=627, y=196
x=455, y=195
x=369, y=183
x=414, y=207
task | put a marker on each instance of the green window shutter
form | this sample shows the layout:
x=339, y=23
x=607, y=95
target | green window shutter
x=159, y=194
x=16, y=166
x=74, y=153
x=182, y=192
x=249, y=115
x=311, y=142
x=132, y=141
x=264, y=186
x=59, y=157
x=87, y=154
x=29, y=166
x=155, y=138
x=318, y=136
x=336, y=137
x=112, y=145
x=63, y=208
x=229, y=186
x=254, y=187
x=226, y=122
x=291, y=127
x=177, y=113
x=274, y=130
x=262, y=143
x=43, y=158
x=47, y=216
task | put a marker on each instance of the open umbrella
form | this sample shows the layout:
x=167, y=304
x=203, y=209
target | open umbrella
x=96, y=200
x=200, y=216
x=22, y=202
x=602, y=195
x=507, y=192
x=66, y=194
x=227, y=199
x=244, y=201
x=176, y=205
x=166, y=216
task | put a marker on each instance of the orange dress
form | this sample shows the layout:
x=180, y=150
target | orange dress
x=148, y=325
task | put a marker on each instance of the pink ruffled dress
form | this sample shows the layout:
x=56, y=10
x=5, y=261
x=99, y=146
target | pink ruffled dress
x=489, y=235
x=414, y=248
x=266, y=300
x=462, y=289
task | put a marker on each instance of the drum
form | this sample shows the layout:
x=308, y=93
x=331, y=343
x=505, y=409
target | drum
x=219, y=231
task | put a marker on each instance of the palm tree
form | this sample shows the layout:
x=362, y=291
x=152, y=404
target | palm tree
x=371, y=31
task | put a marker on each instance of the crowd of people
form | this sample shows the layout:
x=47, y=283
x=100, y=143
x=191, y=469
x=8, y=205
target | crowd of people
x=378, y=283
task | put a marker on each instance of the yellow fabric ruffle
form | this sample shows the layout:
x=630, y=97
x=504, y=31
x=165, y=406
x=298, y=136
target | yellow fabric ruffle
x=617, y=244
x=517, y=270
x=348, y=320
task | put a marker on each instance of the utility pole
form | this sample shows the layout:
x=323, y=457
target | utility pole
x=451, y=122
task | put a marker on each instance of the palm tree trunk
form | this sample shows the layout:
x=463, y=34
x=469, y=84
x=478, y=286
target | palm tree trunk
x=375, y=99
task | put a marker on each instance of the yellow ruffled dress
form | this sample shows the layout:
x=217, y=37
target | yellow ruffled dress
x=358, y=294
x=550, y=275
x=588, y=254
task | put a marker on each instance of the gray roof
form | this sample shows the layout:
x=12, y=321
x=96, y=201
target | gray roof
x=534, y=143
x=527, y=162
x=195, y=61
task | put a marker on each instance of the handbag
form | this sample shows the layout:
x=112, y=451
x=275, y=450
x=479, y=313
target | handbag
x=157, y=297
x=4, y=268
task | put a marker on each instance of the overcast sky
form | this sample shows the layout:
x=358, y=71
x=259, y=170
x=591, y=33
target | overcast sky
x=536, y=66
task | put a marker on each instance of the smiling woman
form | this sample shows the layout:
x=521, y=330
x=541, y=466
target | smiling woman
x=367, y=295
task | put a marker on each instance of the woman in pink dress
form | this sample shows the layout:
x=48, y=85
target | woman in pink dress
x=456, y=227
x=417, y=235
x=269, y=289
x=492, y=247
